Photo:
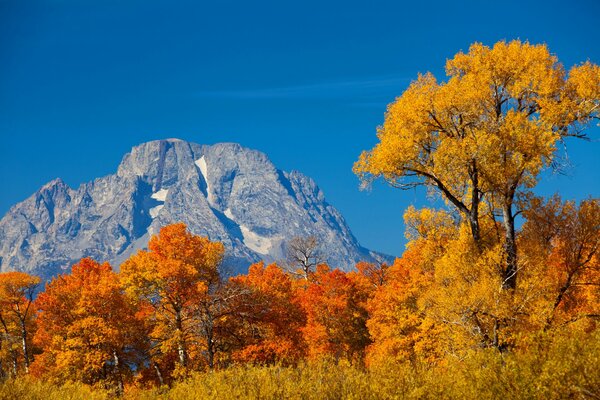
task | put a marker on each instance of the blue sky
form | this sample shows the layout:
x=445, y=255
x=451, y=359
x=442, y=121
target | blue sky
x=307, y=82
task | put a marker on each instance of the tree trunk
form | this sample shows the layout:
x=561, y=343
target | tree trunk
x=509, y=278
x=24, y=345
x=182, y=355
x=117, y=372
x=474, y=225
x=161, y=381
x=15, y=365
x=180, y=341
x=474, y=211
x=210, y=344
x=211, y=355
x=6, y=335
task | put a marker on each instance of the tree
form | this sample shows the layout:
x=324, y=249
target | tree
x=401, y=322
x=335, y=315
x=218, y=319
x=88, y=329
x=482, y=137
x=303, y=255
x=562, y=243
x=370, y=276
x=16, y=314
x=273, y=317
x=398, y=324
x=177, y=274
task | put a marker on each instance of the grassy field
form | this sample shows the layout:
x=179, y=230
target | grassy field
x=567, y=369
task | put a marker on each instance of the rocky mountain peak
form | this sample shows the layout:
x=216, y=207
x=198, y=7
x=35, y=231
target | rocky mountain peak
x=224, y=191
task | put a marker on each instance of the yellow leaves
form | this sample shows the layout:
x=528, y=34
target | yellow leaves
x=403, y=135
x=517, y=153
x=488, y=130
x=518, y=67
x=15, y=287
x=467, y=295
x=178, y=267
x=427, y=223
x=584, y=79
x=580, y=102
x=16, y=319
x=455, y=284
x=440, y=306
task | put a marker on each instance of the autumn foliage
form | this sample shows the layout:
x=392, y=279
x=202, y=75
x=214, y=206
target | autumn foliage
x=17, y=320
x=88, y=329
x=170, y=312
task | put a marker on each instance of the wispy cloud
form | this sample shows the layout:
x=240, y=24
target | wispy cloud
x=353, y=89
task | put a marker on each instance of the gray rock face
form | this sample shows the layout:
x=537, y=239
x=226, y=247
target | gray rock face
x=224, y=191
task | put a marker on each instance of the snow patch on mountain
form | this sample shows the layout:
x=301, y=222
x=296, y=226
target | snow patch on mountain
x=154, y=211
x=255, y=242
x=201, y=164
x=161, y=195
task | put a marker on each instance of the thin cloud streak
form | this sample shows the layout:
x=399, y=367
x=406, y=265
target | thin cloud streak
x=326, y=90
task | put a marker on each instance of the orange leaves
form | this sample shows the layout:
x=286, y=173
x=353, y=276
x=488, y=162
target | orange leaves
x=562, y=243
x=324, y=316
x=176, y=270
x=175, y=264
x=369, y=276
x=275, y=317
x=183, y=254
x=87, y=328
x=178, y=277
x=335, y=315
x=396, y=322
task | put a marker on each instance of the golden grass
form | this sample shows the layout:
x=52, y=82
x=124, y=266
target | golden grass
x=566, y=368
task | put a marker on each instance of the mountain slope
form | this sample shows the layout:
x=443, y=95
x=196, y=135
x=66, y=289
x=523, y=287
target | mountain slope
x=224, y=191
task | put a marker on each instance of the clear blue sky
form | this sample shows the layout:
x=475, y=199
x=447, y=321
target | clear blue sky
x=307, y=82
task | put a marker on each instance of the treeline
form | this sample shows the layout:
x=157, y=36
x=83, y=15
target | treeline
x=170, y=312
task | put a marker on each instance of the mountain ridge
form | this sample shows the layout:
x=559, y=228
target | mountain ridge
x=224, y=191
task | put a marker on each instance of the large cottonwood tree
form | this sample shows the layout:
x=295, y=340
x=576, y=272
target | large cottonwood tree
x=482, y=137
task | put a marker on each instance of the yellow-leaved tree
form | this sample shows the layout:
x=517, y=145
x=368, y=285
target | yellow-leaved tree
x=482, y=137
x=178, y=279
x=16, y=319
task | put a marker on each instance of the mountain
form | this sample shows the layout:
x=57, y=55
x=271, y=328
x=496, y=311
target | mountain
x=224, y=191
